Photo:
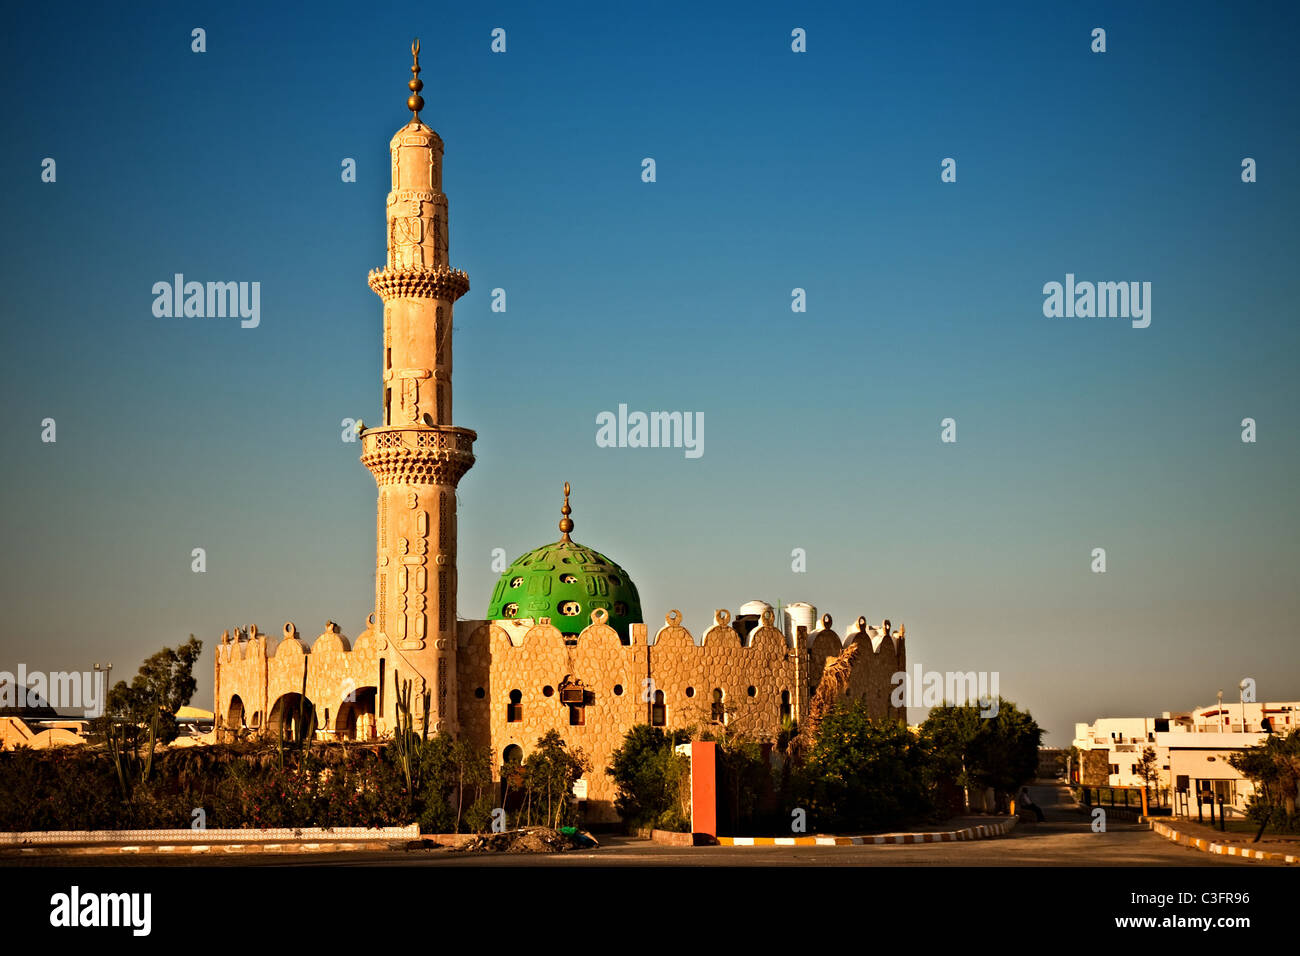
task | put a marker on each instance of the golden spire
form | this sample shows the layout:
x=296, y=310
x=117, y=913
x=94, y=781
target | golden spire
x=566, y=523
x=415, y=102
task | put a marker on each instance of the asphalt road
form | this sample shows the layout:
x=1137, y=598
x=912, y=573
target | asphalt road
x=1065, y=838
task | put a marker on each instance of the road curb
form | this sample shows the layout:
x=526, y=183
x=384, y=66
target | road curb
x=983, y=831
x=1223, y=849
x=183, y=837
x=208, y=849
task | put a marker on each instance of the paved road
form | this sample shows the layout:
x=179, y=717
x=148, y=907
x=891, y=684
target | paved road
x=1065, y=838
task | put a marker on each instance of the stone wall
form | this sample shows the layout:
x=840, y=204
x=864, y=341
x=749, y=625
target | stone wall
x=513, y=679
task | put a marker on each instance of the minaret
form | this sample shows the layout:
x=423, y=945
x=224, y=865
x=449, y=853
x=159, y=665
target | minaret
x=417, y=456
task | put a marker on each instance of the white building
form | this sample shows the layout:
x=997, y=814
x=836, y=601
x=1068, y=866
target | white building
x=1124, y=739
x=1199, y=749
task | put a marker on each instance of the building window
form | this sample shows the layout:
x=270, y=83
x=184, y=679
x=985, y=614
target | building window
x=719, y=712
x=1114, y=768
x=480, y=693
x=577, y=715
x=658, y=713
x=785, y=705
x=515, y=709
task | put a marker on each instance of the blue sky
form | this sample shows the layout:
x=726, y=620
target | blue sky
x=775, y=170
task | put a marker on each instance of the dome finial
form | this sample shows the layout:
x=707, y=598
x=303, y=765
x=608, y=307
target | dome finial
x=415, y=102
x=566, y=523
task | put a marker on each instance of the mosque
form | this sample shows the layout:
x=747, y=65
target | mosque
x=564, y=644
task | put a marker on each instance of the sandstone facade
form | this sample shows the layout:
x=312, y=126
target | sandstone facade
x=512, y=678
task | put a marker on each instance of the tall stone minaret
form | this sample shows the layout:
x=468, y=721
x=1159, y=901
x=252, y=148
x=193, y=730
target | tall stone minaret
x=416, y=455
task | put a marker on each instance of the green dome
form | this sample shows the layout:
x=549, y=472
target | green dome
x=566, y=581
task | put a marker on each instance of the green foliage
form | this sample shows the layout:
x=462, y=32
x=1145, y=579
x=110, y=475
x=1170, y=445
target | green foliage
x=649, y=778
x=548, y=776
x=969, y=750
x=1148, y=768
x=406, y=744
x=744, y=781
x=1274, y=768
x=244, y=785
x=1005, y=751
x=863, y=773
x=165, y=683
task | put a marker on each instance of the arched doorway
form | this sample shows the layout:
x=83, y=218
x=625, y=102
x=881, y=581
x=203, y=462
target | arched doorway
x=235, y=715
x=356, y=718
x=293, y=717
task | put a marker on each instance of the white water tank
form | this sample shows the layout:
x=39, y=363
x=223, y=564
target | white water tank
x=755, y=608
x=799, y=615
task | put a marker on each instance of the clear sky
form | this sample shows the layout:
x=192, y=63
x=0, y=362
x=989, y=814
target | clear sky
x=775, y=171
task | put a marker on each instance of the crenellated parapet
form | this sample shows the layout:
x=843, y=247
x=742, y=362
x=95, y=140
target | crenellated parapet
x=259, y=682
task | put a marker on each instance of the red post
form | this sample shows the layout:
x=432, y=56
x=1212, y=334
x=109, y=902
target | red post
x=704, y=788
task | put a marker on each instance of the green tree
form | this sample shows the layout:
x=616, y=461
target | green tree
x=863, y=773
x=1274, y=768
x=949, y=732
x=1005, y=751
x=1148, y=768
x=648, y=773
x=972, y=750
x=164, y=684
x=549, y=775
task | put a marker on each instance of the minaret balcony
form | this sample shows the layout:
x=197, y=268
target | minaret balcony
x=418, y=454
x=419, y=282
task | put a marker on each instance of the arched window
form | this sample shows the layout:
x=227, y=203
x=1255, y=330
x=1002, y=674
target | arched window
x=785, y=705
x=719, y=711
x=658, y=712
x=515, y=709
